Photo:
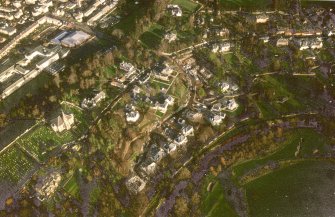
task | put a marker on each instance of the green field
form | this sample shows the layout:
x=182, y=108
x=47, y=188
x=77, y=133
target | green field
x=214, y=203
x=188, y=5
x=305, y=189
x=110, y=71
x=152, y=38
x=311, y=141
x=72, y=186
x=266, y=110
x=284, y=95
x=246, y=3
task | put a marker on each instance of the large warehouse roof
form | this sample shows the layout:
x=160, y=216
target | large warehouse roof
x=75, y=39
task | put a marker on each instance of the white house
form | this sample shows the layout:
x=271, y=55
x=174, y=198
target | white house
x=100, y=96
x=175, y=10
x=132, y=116
x=169, y=100
x=127, y=67
x=170, y=37
x=265, y=39
x=157, y=153
x=188, y=130
x=282, y=42
x=316, y=43
x=225, y=87
x=303, y=44
x=224, y=47
x=169, y=148
x=162, y=107
x=150, y=168
x=230, y=105
x=8, y=30
x=216, y=118
x=90, y=103
x=261, y=18
x=62, y=122
x=181, y=140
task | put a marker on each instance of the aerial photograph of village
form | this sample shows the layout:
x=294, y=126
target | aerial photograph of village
x=167, y=108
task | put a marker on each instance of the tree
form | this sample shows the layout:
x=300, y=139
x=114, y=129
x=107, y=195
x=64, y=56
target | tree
x=181, y=207
x=73, y=78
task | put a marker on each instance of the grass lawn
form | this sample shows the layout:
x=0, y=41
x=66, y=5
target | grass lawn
x=311, y=141
x=72, y=186
x=152, y=38
x=110, y=71
x=214, y=203
x=246, y=3
x=160, y=114
x=285, y=96
x=266, y=110
x=305, y=189
x=159, y=85
x=188, y=5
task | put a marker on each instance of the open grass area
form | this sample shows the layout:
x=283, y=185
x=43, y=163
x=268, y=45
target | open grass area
x=152, y=38
x=188, y=5
x=304, y=189
x=266, y=110
x=286, y=95
x=311, y=141
x=110, y=71
x=72, y=186
x=233, y=4
x=13, y=130
x=159, y=85
x=214, y=202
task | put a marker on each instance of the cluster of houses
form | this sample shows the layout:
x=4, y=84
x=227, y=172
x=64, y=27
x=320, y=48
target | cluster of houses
x=20, y=18
x=88, y=103
x=312, y=43
x=301, y=43
x=129, y=76
x=22, y=11
x=191, y=67
x=216, y=32
x=13, y=76
x=16, y=13
x=221, y=47
x=163, y=106
x=162, y=71
x=132, y=115
x=157, y=152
